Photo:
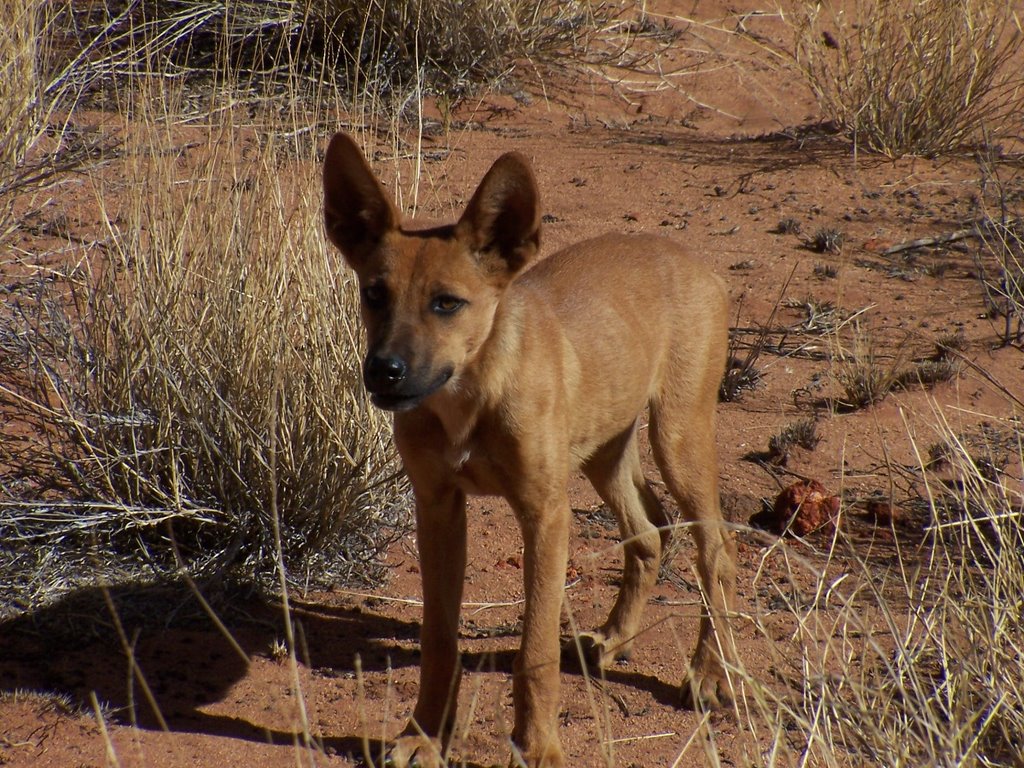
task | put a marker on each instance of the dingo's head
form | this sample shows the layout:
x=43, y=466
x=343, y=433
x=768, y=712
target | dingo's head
x=429, y=297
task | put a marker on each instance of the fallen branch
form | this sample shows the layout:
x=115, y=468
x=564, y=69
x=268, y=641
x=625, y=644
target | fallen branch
x=923, y=242
x=981, y=229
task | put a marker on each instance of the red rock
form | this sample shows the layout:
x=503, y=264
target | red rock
x=803, y=507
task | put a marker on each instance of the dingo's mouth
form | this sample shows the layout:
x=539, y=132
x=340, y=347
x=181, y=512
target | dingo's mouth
x=401, y=401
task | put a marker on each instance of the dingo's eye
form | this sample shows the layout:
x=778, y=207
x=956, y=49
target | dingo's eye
x=446, y=305
x=375, y=296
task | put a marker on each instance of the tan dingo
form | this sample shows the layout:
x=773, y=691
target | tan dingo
x=506, y=374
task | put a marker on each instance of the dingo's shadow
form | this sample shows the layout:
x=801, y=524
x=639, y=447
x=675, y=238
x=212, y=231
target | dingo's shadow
x=73, y=648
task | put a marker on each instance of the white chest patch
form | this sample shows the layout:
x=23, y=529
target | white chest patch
x=459, y=457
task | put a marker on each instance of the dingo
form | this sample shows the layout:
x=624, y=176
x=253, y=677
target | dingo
x=507, y=373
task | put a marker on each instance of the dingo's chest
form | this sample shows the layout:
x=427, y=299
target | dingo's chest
x=475, y=469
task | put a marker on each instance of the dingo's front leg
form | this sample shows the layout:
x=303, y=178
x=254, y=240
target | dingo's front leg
x=441, y=537
x=535, y=683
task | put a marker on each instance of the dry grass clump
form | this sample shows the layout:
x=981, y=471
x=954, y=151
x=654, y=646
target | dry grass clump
x=867, y=371
x=19, y=84
x=913, y=76
x=191, y=394
x=34, y=84
x=1004, y=242
x=826, y=271
x=185, y=393
x=358, y=47
x=741, y=373
x=915, y=664
x=788, y=226
x=927, y=373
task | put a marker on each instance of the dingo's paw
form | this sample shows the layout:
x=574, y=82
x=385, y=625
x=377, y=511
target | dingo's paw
x=706, y=688
x=599, y=650
x=415, y=752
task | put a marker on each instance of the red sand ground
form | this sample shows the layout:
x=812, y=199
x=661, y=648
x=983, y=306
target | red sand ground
x=714, y=162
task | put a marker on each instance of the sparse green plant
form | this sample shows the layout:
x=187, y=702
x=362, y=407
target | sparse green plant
x=827, y=240
x=826, y=271
x=802, y=433
x=788, y=226
x=911, y=76
x=866, y=373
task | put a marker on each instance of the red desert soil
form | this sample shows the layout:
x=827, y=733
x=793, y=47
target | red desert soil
x=715, y=163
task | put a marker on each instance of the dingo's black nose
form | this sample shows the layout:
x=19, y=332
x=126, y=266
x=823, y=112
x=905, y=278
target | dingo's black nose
x=383, y=373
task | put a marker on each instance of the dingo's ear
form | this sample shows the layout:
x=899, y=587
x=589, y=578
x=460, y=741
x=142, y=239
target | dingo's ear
x=503, y=218
x=357, y=211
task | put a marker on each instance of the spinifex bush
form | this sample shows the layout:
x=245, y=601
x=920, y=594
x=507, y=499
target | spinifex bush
x=199, y=386
x=913, y=76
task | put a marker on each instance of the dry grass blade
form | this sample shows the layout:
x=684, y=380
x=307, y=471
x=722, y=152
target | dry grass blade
x=742, y=373
x=33, y=87
x=802, y=433
x=913, y=77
